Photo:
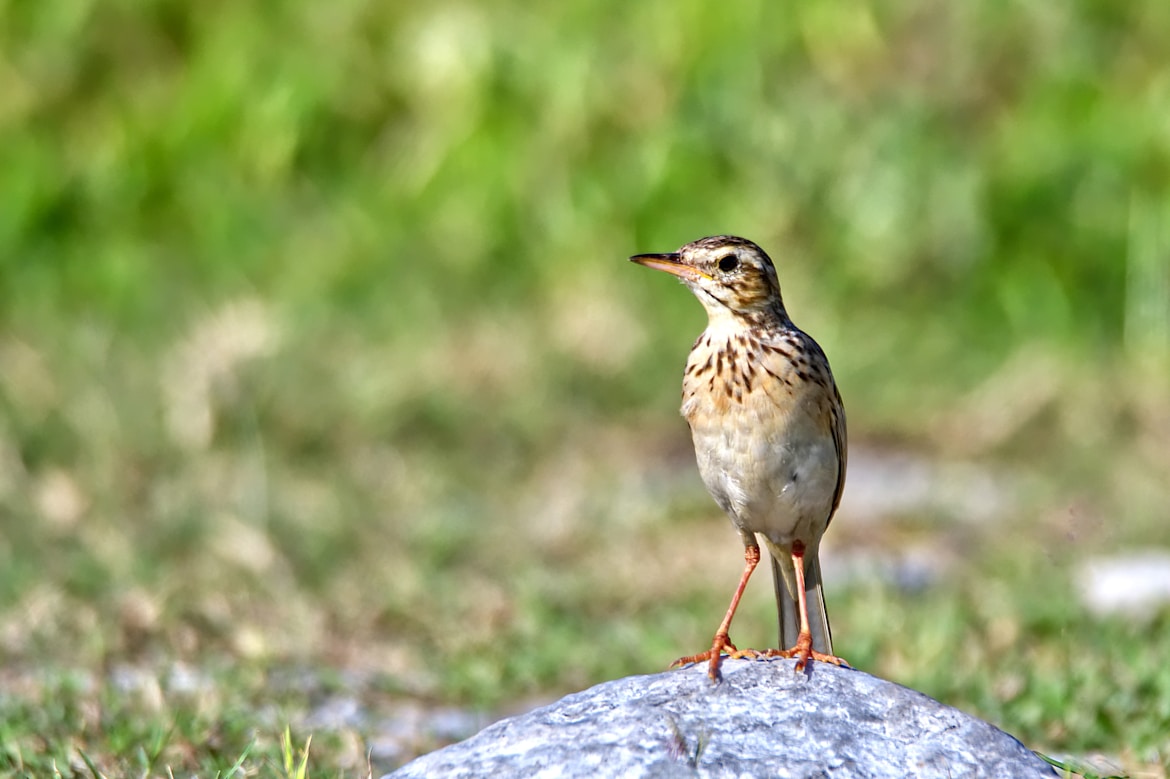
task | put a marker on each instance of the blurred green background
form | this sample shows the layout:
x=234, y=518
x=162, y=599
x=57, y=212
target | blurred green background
x=319, y=350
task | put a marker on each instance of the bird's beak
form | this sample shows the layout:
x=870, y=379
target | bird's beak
x=671, y=263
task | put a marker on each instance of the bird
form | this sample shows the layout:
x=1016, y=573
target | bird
x=768, y=427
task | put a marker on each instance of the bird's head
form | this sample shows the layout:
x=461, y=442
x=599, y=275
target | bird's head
x=728, y=275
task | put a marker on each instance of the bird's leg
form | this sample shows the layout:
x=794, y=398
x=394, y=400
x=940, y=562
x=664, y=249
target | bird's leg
x=751, y=556
x=803, y=650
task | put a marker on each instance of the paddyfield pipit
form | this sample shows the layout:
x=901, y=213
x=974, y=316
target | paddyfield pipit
x=769, y=433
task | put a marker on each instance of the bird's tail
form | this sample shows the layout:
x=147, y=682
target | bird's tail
x=784, y=579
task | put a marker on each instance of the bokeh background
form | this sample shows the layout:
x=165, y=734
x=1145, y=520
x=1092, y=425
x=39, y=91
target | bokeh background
x=327, y=394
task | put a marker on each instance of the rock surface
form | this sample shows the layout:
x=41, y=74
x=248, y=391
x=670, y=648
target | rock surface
x=763, y=719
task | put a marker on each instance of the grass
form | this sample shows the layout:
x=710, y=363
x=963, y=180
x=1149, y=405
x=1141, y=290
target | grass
x=319, y=355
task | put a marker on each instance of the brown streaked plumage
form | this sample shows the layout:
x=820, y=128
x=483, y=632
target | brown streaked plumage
x=769, y=433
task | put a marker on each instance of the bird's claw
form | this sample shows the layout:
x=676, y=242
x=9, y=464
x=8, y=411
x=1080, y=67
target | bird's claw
x=803, y=652
x=721, y=647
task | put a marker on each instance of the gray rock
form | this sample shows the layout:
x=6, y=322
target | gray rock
x=763, y=719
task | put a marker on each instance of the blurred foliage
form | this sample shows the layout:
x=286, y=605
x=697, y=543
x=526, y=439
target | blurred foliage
x=990, y=161
x=315, y=317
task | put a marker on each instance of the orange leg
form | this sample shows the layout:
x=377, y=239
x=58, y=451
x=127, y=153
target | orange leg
x=722, y=640
x=803, y=650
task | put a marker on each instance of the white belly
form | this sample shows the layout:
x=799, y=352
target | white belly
x=774, y=473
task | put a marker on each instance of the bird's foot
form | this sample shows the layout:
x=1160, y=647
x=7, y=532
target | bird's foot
x=803, y=652
x=719, y=645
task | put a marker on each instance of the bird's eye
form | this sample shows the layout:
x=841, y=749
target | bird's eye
x=729, y=263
